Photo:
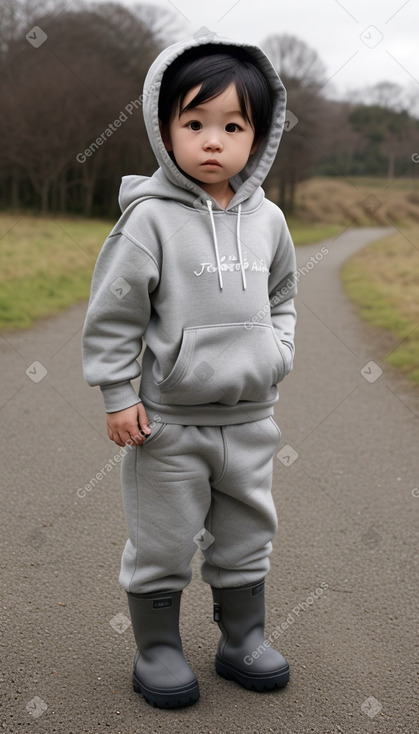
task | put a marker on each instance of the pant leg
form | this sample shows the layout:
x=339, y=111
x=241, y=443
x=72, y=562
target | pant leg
x=166, y=494
x=242, y=517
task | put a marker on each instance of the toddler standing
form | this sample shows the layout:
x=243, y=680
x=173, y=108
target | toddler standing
x=200, y=266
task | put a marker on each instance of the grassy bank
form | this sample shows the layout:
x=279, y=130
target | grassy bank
x=361, y=202
x=383, y=281
x=308, y=233
x=46, y=263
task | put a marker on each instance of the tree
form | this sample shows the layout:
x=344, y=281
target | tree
x=387, y=135
x=339, y=142
x=303, y=75
x=385, y=94
x=60, y=97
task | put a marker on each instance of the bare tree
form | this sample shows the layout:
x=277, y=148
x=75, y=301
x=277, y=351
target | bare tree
x=338, y=143
x=303, y=74
x=296, y=63
x=167, y=25
x=388, y=95
x=386, y=135
x=62, y=96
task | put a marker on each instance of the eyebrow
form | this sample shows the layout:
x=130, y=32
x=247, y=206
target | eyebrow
x=199, y=107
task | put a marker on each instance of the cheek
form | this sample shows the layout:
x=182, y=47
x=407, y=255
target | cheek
x=183, y=146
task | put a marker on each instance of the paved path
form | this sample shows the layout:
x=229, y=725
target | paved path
x=343, y=588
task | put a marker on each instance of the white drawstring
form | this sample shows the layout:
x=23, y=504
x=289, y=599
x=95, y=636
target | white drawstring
x=214, y=233
x=239, y=247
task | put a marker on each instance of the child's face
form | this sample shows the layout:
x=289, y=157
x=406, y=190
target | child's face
x=213, y=141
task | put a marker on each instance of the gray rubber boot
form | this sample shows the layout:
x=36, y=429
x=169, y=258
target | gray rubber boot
x=244, y=655
x=161, y=672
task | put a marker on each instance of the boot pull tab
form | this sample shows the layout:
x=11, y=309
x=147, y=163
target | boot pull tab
x=259, y=589
x=217, y=611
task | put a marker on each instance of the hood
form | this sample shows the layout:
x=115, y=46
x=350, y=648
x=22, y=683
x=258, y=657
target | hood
x=174, y=183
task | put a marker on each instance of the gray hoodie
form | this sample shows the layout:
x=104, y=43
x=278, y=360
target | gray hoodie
x=209, y=290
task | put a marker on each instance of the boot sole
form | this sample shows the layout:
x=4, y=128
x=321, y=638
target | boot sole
x=259, y=683
x=164, y=699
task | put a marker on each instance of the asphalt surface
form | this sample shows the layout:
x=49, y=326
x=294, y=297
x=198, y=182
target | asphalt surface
x=343, y=587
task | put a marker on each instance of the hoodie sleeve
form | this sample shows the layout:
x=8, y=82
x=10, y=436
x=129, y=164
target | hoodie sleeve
x=282, y=289
x=117, y=317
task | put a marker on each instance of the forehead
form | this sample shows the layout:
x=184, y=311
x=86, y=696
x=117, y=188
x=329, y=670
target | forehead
x=227, y=100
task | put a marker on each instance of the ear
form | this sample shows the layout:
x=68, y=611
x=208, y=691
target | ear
x=254, y=147
x=165, y=134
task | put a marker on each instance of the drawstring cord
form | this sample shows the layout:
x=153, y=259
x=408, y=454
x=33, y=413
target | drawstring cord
x=239, y=248
x=214, y=234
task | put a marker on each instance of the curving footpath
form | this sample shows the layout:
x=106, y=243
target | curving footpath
x=342, y=592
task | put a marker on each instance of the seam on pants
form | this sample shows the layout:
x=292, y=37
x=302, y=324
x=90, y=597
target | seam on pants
x=275, y=425
x=225, y=463
x=208, y=526
x=213, y=483
x=137, y=530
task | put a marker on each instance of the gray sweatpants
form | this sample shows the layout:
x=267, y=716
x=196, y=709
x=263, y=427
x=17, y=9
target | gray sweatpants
x=199, y=486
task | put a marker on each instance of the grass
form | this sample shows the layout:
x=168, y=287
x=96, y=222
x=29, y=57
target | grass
x=360, y=202
x=46, y=265
x=371, y=182
x=308, y=234
x=383, y=282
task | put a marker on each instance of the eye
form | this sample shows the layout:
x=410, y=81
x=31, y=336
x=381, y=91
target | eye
x=194, y=125
x=232, y=127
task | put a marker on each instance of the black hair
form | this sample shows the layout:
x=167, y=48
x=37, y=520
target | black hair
x=215, y=67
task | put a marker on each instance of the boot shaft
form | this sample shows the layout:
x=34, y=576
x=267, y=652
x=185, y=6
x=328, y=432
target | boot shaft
x=161, y=672
x=244, y=654
x=155, y=619
x=240, y=614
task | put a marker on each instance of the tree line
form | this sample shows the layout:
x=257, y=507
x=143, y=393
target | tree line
x=71, y=77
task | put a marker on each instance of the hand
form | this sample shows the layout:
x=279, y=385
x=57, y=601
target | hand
x=129, y=426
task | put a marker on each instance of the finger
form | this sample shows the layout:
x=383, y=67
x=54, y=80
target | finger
x=143, y=421
x=116, y=439
x=122, y=436
x=134, y=437
x=134, y=440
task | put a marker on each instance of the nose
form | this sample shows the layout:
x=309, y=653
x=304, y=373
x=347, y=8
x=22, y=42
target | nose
x=213, y=142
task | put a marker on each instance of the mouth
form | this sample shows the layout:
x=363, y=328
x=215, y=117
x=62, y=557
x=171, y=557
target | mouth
x=212, y=163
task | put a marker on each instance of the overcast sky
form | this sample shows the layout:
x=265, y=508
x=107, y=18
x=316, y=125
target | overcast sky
x=361, y=42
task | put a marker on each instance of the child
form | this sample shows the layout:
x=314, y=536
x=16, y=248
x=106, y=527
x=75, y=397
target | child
x=201, y=266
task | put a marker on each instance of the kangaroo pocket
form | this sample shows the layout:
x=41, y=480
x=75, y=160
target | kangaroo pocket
x=224, y=363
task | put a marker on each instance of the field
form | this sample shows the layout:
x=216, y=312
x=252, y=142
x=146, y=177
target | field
x=362, y=202
x=383, y=282
x=46, y=263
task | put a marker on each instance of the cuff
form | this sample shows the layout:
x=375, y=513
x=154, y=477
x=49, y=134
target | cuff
x=287, y=352
x=119, y=396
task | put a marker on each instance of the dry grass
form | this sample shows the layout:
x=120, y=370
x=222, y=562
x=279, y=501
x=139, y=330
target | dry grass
x=46, y=264
x=383, y=281
x=361, y=202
